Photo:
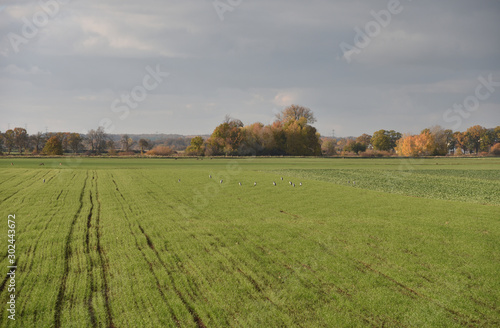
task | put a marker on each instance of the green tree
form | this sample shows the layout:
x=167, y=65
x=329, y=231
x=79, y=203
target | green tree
x=53, y=146
x=475, y=135
x=364, y=139
x=355, y=146
x=196, y=148
x=381, y=140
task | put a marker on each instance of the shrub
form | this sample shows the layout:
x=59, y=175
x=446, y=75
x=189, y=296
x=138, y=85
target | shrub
x=161, y=151
x=495, y=150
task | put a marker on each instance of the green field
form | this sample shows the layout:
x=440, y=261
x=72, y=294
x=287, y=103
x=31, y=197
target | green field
x=363, y=242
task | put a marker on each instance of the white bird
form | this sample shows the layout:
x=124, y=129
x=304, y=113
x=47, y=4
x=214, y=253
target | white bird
x=43, y=180
x=354, y=182
x=221, y=181
x=239, y=183
x=274, y=183
x=254, y=184
x=281, y=178
x=300, y=184
x=210, y=176
x=290, y=182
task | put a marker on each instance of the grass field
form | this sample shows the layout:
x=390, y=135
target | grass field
x=363, y=242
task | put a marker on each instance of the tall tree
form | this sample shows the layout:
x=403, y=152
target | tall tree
x=53, y=146
x=75, y=142
x=9, y=140
x=126, y=142
x=296, y=112
x=475, y=135
x=381, y=140
x=143, y=144
x=38, y=140
x=21, y=139
x=364, y=139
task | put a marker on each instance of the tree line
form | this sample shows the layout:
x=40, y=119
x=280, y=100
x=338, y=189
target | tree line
x=291, y=134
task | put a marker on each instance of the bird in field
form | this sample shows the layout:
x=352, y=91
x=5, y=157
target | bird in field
x=221, y=181
x=274, y=183
x=179, y=180
x=239, y=183
x=210, y=176
x=43, y=180
x=294, y=184
x=254, y=184
x=290, y=182
x=300, y=183
x=281, y=178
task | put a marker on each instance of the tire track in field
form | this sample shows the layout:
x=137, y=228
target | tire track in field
x=150, y=265
x=188, y=306
x=22, y=188
x=464, y=320
x=103, y=261
x=90, y=264
x=67, y=256
x=42, y=232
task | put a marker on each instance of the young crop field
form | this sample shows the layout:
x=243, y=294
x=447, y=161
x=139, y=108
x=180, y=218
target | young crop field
x=214, y=243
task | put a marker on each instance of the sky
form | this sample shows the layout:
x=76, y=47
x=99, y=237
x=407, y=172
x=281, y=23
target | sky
x=172, y=66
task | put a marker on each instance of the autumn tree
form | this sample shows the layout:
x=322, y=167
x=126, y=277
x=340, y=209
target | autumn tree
x=53, y=146
x=364, y=139
x=296, y=112
x=226, y=138
x=475, y=135
x=196, y=148
x=37, y=141
x=9, y=140
x=126, y=142
x=328, y=146
x=143, y=144
x=21, y=139
x=75, y=142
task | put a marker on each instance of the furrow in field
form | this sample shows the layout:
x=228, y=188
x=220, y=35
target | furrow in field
x=103, y=261
x=188, y=306
x=464, y=320
x=67, y=256
x=91, y=287
x=22, y=186
x=150, y=265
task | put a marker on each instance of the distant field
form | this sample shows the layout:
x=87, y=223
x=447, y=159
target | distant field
x=123, y=243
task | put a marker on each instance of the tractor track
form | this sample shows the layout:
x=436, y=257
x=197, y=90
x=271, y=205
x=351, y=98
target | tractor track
x=67, y=256
x=102, y=259
x=150, y=265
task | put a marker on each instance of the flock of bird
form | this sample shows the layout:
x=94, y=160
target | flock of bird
x=255, y=183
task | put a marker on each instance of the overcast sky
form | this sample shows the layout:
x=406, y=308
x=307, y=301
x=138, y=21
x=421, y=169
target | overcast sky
x=78, y=64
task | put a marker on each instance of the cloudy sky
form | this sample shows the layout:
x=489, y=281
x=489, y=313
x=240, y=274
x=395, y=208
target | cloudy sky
x=173, y=66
